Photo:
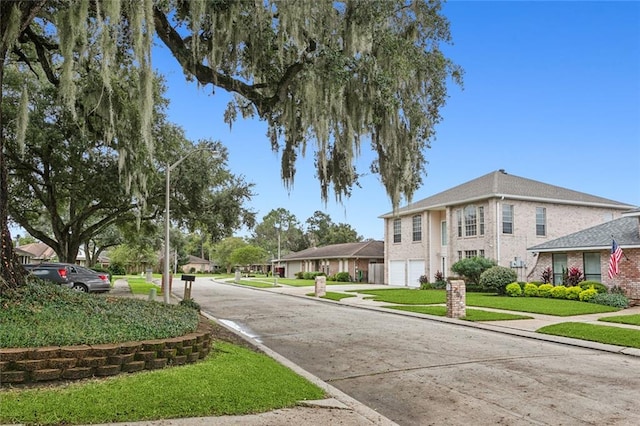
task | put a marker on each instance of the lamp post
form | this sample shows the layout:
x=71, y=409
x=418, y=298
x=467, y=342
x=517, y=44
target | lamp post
x=166, y=282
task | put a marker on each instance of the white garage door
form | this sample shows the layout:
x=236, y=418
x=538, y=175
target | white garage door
x=293, y=268
x=416, y=269
x=397, y=274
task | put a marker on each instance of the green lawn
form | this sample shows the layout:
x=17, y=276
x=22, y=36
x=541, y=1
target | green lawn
x=537, y=305
x=596, y=333
x=139, y=285
x=254, y=283
x=231, y=381
x=471, y=314
x=332, y=295
x=623, y=319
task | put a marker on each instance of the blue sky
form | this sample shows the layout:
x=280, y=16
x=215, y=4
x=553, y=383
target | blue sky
x=551, y=93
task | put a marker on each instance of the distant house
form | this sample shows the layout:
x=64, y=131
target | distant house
x=590, y=251
x=363, y=261
x=196, y=264
x=497, y=216
x=35, y=253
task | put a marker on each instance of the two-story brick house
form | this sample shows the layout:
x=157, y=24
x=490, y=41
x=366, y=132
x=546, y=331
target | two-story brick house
x=497, y=216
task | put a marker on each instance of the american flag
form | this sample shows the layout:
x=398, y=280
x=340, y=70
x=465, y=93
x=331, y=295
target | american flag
x=614, y=259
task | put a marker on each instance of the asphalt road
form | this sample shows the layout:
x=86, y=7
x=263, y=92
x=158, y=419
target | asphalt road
x=423, y=372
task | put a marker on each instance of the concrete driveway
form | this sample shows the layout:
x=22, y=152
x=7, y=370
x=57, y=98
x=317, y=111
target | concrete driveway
x=417, y=371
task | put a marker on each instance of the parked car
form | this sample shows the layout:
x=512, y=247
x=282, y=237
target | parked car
x=52, y=272
x=77, y=277
x=87, y=280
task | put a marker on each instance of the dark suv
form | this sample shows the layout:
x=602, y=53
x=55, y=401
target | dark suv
x=52, y=272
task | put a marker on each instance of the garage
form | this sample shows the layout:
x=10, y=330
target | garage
x=416, y=270
x=397, y=275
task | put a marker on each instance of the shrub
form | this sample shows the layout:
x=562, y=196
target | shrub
x=544, y=290
x=546, y=276
x=472, y=268
x=300, y=275
x=190, y=303
x=530, y=290
x=599, y=287
x=513, y=290
x=343, y=277
x=559, y=292
x=616, y=289
x=574, y=276
x=425, y=286
x=573, y=292
x=117, y=269
x=588, y=294
x=616, y=300
x=497, y=278
x=312, y=275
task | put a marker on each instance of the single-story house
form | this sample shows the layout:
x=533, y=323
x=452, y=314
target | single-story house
x=590, y=250
x=35, y=253
x=497, y=216
x=196, y=264
x=364, y=261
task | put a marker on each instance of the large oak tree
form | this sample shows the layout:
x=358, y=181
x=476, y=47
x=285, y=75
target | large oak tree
x=325, y=75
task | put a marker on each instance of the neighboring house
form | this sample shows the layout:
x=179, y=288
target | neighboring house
x=196, y=264
x=497, y=216
x=35, y=253
x=363, y=261
x=590, y=250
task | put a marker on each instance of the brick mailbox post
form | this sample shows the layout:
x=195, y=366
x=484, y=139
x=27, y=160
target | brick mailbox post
x=456, y=299
x=321, y=286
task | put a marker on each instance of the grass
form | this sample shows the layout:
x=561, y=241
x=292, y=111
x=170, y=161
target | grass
x=231, y=381
x=251, y=283
x=45, y=315
x=623, y=319
x=332, y=295
x=139, y=285
x=471, y=314
x=535, y=305
x=596, y=333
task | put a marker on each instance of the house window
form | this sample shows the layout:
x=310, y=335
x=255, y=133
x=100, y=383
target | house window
x=559, y=267
x=470, y=253
x=459, y=218
x=459, y=255
x=417, y=228
x=507, y=219
x=592, y=267
x=481, y=219
x=443, y=233
x=397, y=231
x=470, y=221
x=541, y=221
x=481, y=253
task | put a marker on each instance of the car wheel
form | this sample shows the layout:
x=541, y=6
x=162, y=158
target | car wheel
x=80, y=287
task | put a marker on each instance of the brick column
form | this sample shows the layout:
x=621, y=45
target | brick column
x=456, y=299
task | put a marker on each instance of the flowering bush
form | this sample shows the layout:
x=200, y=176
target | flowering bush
x=513, y=290
x=530, y=290
x=588, y=294
x=573, y=292
x=559, y=292
x=544, y=290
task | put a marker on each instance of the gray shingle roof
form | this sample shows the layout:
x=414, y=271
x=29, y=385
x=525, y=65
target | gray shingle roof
x=367, y=249
x=498, y=184
x=625, y=230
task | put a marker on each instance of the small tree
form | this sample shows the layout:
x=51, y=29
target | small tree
x=248, y=255
x=471, y=268
x=497, y=278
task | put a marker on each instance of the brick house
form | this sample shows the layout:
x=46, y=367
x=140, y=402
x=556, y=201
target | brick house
x=497, y=216
x=363, y=261
x=590, y=250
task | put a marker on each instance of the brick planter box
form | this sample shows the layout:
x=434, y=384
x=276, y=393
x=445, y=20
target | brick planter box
x=33, y=365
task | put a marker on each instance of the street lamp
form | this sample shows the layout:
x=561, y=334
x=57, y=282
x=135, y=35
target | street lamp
x=166, y=284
